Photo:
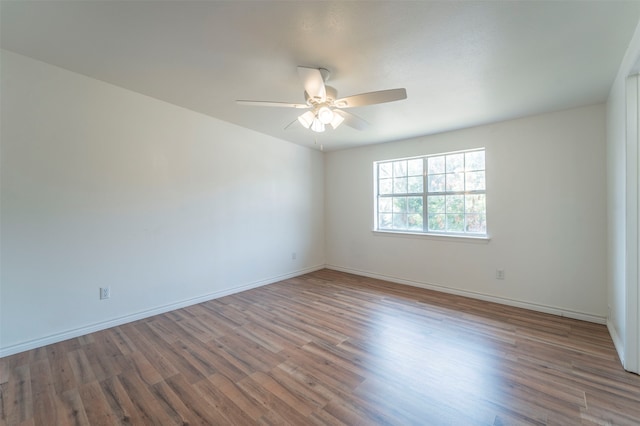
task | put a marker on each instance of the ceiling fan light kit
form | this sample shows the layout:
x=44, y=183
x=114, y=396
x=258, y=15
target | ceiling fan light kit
x=306, y=119
x=317, y=126
x=336, y=120
x=324, y=107
x=325, y=115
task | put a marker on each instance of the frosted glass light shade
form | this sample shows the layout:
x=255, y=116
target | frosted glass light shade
x=337, y=120
x=307, y=119
x=317, y=126
x=325, y=115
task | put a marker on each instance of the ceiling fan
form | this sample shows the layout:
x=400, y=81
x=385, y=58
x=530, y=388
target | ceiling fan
x=324, y=107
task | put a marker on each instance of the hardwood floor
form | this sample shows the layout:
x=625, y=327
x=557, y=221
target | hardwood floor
x=328, y=348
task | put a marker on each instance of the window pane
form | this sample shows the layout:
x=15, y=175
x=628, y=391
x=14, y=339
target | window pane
x=385, y=170
x=435, y=204
x=415, y=184
x=400, y=185
x=399, y=204
x=415, y=222
x=474, y=181
x=475, y=203
x=436, y=183
x=474, y=160
x=455, y=222
x=415, y=167
x=437, y=222
x=455, y=163
x=384, y=221
x=399, y=221
x=435, y=165
x=455, y=203
x=476, y=223
x=452, y=186
x=399, y=168
x=385, y=186
x=385, y=204
x=414, y=205
x=455, y=182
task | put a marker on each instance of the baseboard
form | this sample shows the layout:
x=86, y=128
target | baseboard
x=69, y=334
x=480, y=296
x=617, y=341
x=81, y=331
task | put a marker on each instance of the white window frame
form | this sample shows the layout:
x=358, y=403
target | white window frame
x=425, y=231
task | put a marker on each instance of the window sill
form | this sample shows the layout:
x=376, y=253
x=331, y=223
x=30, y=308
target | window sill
x=479, y=239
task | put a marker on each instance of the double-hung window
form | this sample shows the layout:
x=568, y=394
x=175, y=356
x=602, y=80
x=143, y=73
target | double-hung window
x=434, y=194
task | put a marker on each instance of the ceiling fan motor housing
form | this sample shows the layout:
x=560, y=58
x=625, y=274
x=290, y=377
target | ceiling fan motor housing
x=331, y=95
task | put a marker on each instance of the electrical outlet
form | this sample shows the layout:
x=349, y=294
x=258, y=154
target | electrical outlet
x=105, y=293
x=294, y=255
x=500, y=274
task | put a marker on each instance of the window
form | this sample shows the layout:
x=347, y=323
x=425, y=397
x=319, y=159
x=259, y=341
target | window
x=435, y=194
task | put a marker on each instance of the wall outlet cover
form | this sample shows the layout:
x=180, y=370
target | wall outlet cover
x=105, y=293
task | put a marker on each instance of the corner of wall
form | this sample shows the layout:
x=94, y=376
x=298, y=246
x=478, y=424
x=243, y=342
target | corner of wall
x=617, y=341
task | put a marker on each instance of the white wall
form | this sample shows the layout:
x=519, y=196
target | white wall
x=623, y=322
x=616, y=215
x=545, y=213
x=105, y=187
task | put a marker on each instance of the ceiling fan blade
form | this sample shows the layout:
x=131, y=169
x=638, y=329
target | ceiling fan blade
x=272, y=104
x=352, y=120
x=313, y=83
x=372, y=98
x=289, y=126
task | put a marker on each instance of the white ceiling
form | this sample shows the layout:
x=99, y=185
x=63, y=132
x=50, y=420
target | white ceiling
x=462, y=63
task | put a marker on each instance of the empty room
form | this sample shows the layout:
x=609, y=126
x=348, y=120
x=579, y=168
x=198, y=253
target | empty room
x=319, y=212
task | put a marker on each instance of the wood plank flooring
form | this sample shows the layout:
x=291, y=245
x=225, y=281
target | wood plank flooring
x=327, y=348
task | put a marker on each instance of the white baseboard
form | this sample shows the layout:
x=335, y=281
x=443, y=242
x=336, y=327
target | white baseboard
x=81, y=331
x=480, y=296
x=69, y=334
